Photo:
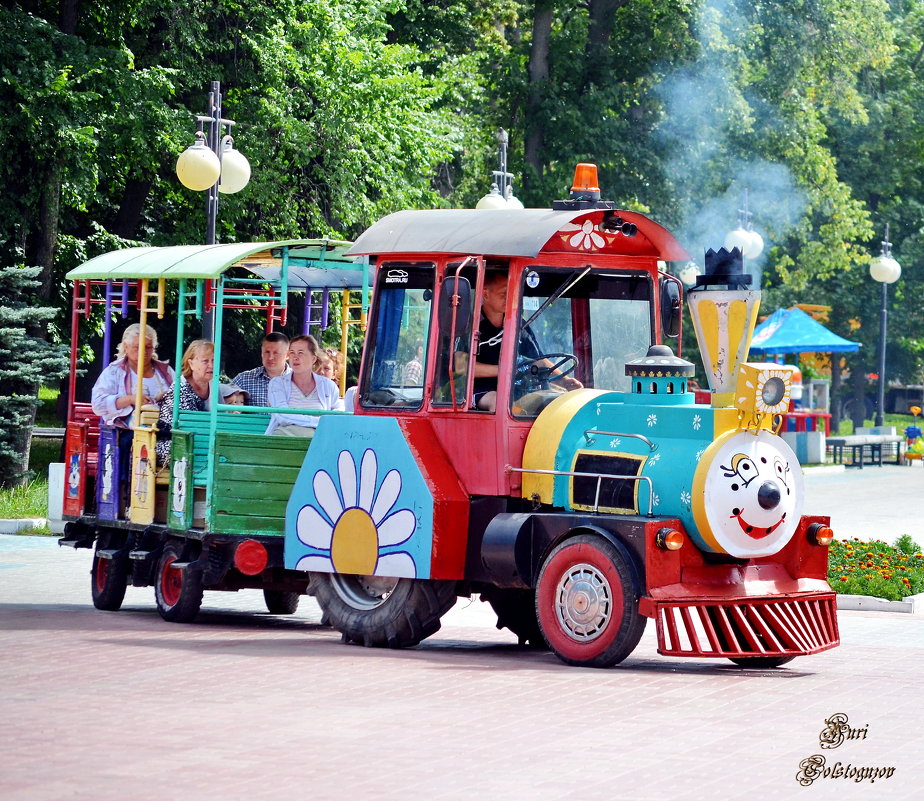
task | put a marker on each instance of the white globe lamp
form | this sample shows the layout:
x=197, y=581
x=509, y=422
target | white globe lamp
x=198, y=167
x=235, y=169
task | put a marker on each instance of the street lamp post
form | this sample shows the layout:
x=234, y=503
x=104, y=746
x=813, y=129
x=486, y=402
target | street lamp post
x=501, y=194
x=887, y=271
x=744, y=237
x=212, y=163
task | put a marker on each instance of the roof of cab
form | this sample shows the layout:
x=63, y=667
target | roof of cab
x=210, y=261
x=509, y=232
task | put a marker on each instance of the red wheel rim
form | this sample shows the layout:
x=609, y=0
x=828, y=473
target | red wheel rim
x=102, y=573
x=171, y=583
x=580, y=602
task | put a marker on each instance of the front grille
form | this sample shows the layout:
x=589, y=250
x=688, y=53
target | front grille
x=749, y=627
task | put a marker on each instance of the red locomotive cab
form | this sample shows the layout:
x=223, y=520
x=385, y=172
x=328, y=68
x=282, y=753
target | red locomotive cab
x=483, y=317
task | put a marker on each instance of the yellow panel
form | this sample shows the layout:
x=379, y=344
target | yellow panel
x=544, y=436
x=144, y=463
x=709, y=327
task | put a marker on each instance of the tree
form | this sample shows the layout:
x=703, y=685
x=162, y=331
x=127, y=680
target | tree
x=25, y=362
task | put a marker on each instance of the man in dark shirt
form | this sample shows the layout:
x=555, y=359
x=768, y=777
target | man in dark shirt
x=490, y=334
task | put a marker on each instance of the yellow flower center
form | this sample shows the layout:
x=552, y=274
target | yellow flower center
x=354, y=546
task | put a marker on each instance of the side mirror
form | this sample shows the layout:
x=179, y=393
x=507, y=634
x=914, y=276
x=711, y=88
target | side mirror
x=455, y=295
x=671, y=307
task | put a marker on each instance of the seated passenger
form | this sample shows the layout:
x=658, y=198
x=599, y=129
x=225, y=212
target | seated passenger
x=233, y=395
x=273, y=355
x=325, y=365
x=490, y=334
x=195, y=384
x=113, y=396
x=301, y=388
x=336, y=358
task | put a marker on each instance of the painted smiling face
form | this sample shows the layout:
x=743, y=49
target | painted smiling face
x=752, y=494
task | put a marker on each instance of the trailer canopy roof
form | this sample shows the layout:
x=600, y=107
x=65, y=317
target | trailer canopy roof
x=307, y=259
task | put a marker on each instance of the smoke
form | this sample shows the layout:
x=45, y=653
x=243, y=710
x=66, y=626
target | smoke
x=706, y=118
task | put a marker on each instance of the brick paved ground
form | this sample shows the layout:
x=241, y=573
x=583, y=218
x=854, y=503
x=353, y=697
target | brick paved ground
x=244, y=705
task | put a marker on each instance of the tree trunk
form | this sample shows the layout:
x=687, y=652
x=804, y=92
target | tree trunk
x=602, y=17
x=837, y=381
x=858, y=382
x=538, y=71
x=133, y=200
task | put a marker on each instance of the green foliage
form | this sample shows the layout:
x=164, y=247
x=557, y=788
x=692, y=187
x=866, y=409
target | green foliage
x=893, y=572
x=25, y=501
x=26, y=360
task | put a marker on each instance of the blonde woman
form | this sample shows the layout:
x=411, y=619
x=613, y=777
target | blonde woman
x=196, y=369
x=113, y=395
x=302, y=388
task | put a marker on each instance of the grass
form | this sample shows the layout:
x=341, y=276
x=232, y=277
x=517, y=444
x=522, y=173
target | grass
x=46, y=415
x=900, y=421
x=893, y=572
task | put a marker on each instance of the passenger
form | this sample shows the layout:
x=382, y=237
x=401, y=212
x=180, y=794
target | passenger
x=195, y=384
x=233, y=395
x=273, y=355
x=325, y=365
x=301, y=388
x=337, y=358
x=490, y=334
x=113, y=396
x=413, y=370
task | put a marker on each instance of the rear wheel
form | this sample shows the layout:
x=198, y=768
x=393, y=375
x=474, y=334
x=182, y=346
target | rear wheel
x=108, y=578
x=516, y=610
x=280, y=603
x=587, y=602
x=178, y=591
x=383, y=612
x=761, y=661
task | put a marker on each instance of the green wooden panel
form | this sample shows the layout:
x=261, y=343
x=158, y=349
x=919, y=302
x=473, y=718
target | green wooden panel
x=261, y=456
x=251, y=491
x=252, y=525
x=237, y=473
x=247, y=508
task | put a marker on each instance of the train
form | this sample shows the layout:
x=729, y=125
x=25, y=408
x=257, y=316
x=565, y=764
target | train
x=592, y=494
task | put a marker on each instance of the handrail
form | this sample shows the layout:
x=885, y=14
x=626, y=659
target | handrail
x=598, y=476
x=652, y=446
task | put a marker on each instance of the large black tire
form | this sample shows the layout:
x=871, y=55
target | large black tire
x=383, y=612
x=178, y=592
x=761, y=661
x=587, y=602
x=108, y=579
x=281, y=603
x=516, y=610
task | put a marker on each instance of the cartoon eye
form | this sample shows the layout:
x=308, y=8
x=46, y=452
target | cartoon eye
x=743, y=467
x=781, y=469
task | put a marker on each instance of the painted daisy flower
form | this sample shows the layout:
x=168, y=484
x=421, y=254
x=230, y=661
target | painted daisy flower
x=652, y=420
x=685, y=498
x=353, y=526
x=653, y=460
x=697, y=422
x=586, y=237
x=615, y=442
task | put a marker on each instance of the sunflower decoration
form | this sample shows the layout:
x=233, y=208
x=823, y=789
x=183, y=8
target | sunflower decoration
x=763, y=389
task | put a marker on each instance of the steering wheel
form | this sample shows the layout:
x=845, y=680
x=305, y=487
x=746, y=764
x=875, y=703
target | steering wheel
x=531, y=376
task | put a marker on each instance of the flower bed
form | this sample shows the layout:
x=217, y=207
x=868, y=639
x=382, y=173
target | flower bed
x=893, y=572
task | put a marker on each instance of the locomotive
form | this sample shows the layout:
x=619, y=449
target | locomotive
x=577, y=513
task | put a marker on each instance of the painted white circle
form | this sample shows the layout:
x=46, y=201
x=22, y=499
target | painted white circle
x=532, y=279
x=753, y=494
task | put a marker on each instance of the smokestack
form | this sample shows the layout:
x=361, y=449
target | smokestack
x=724, y=320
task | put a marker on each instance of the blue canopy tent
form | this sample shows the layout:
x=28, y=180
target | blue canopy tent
x=794, y=331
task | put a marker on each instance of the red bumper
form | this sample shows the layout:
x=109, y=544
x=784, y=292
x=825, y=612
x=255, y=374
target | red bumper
x=769, y=627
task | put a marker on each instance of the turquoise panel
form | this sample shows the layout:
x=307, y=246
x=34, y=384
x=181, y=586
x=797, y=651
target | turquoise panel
x=360, y=499
x=678, y=432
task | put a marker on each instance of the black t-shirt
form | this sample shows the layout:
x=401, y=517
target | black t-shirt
x=488, y=352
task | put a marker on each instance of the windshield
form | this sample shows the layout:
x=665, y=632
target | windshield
x=600, y=321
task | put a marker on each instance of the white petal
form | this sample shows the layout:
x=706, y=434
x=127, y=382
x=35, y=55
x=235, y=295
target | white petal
x=388, y=495
x=347, y=469
x=314, y=562
x=367, y=475
x=398, y=565
x=313, y=529
x=575, y=241
x=597, y=239
x=326, y=493
x=397, y=528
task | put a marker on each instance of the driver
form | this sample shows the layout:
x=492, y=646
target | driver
x=490, y=333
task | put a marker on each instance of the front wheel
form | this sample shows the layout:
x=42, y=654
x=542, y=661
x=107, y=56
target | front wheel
x=178, y=591
x=587, y=602
x=281, y=603
x=761, y=661
x=383, y=612
x=108, y=579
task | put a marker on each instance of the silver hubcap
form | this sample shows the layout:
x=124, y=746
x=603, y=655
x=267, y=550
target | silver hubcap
x=583, y=602
x=363, y=592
